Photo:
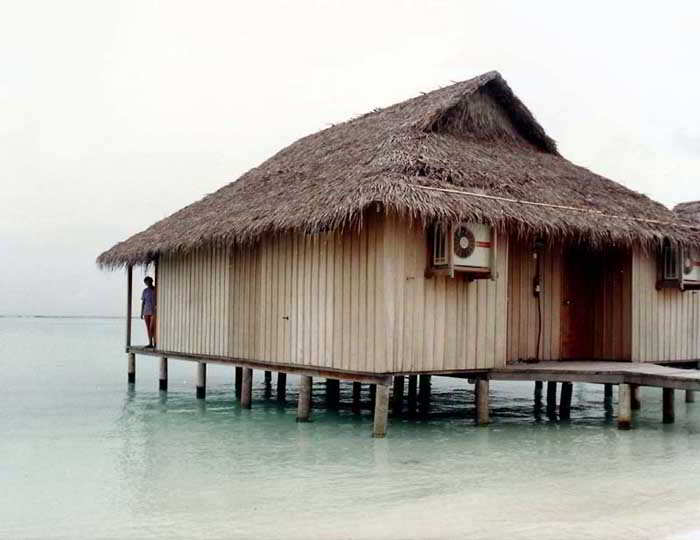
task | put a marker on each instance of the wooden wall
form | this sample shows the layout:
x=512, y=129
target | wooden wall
x=193, y=304
x=665, y=323
x=523, y=317
x=610, y=279
x=440, y=323
x=351, y=301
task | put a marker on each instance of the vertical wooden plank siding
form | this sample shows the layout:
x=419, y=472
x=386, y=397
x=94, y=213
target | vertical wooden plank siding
x=665, y=323
x=523, y=317
x=437, y=323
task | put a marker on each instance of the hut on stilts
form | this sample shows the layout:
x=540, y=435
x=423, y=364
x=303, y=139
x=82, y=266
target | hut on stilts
x=444, y=235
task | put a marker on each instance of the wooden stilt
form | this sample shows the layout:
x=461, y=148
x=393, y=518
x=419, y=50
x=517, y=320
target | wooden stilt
x=356, y=397
x=424, y=393
x=201, y=380
x=163, y=374
x=624, y=412
x=538, y=390
x=268, y=384
x=565, y=400
x=239, y=381
x=372, y=395
x=131, y=369
x=669, y=414
x=690, y=396
x=482, y=402
x=398, y=394
x=551, y=398
x=247, y=388
x=412, y=392
x=381, y=410
x=332, y=393
x=304, y=406
x=636, y=397
x=608, y=392
x=129, y=294
x=281, y=387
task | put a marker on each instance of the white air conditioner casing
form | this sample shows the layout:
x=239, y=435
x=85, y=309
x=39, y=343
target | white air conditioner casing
x=691, y=267
x=464, y=247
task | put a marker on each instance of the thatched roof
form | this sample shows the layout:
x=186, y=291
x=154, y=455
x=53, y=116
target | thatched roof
x=689, y=212
x=475, y=136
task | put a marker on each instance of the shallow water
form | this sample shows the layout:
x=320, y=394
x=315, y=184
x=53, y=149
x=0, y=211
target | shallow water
x=82, y=456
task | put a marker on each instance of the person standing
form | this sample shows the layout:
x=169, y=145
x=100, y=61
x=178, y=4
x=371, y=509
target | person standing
x=148, y=310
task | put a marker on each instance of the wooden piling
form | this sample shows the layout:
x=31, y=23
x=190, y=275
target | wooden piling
x=669, y=414
x=129, y=293
x=131, y=368
x=608, y=393
x=636, y=397
x=356, y=397
x=372, y=395
x=381, y=410
x=268, y=384
x=551, y=398
x=398, y=394
x=482, y=402
x=281, y=387
x=163, y=374
x=424, y=393
x=624, y=406
x=304, y=406
x=239, y=381
x=247, y=388
x=690, y=396
x=412, y=392
x=332, y=393
x=538, y=390
x=201, y=380
x=565, y=400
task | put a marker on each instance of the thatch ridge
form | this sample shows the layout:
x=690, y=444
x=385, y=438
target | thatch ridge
x=689, y=212
x=474, y=135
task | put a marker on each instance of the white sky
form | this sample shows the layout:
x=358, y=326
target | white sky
x=116, y=114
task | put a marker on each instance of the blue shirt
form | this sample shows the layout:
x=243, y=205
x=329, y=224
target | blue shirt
x=148, y=297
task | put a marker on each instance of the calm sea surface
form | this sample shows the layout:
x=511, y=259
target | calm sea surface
x=82, y=456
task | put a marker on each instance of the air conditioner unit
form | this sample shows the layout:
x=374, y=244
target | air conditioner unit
x=691, y=268
x=678, y=268
x=464, y=247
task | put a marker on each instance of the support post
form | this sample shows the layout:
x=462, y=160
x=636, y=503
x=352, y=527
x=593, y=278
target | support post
x=565, y=400
x=398, y=394
x=551, y=398
x=129, y=289
x=624, y=406
x=608, y=393
x=131, y=369
x=381, y=411
x=372, y=395
x=332, y=393
x=482, y=402
x=201, y=380
x=268, y=384
x=690, y=396
x=538, y=390
x=281, y=386
x=304, y=406
x=246, y=388
x=412, y=391
x=163, y=374
x=239, y=381
x=669, y=415
x=356, y=397
x=424, y=393
x=636, y=397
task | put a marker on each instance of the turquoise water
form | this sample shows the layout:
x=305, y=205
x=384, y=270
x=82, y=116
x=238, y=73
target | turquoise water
x=83, y=456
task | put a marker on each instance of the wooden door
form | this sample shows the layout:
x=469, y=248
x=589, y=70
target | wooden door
x=578, y=293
